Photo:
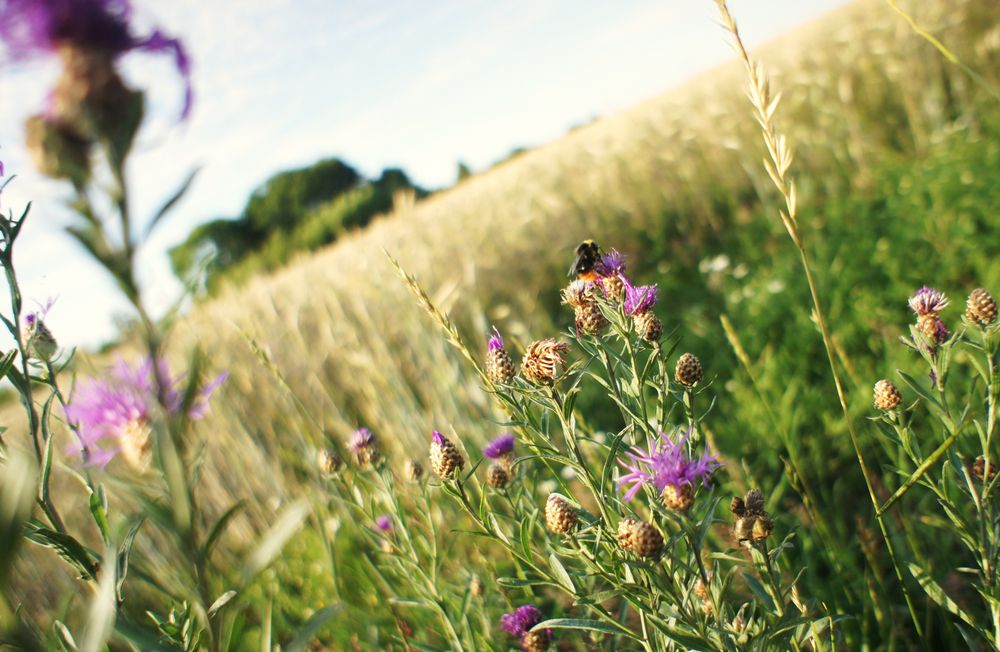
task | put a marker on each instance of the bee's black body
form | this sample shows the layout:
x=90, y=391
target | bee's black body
x=588, y=254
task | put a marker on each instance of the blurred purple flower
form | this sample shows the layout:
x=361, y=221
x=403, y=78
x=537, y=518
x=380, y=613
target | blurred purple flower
x=31, y=28
x=611, y=264
x=101, y=410
x=521, y=619
x=928, y=301
x=500, y=446
x=639, y=299
x=384, y=523
x=438, y=438
x=495, y=342
x=666, y=464
x=361, y=439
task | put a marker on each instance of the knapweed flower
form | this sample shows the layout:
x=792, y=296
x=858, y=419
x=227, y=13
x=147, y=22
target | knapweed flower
x=500, y=447
x=446, y=460
x=640, y=299
x=37, y=337
x=499, y=367
x=384, y=523
x=364, y=445
x=980, y=307
x=928, y=301
x=100, y=28
x=665, y=465
x=518, y=622
x=114, y=415
x=611, y=264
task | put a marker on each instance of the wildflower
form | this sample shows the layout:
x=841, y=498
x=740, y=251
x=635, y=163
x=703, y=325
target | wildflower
x=445, y=458
x=560, y=517
x=611, y=265
x=518, y=622
x=980, y=307
x=328, y=461
x=578, y=294
x=37, y=337
x=752, y=522
x=500, y=447
x=384, y=524
x=624, y=534
x=688, y=371
x=640, y=299
x=588, y=317
x=648, y=326
x=928, y=301
x=497, y=476
x=664, y=465
x=120, y=409
x=933, y=328
x=99, y=30
x=643, y=539
x=414, y=470
x=543, y=361
x=364, y=445
x=885, y=396
x=499, y=367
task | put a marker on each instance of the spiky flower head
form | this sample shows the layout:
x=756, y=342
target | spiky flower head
x=520, y=621
x=688, y=371
x=500, y=447
x=981, y=307
x=646, y=540
x=665, y=464
x=579, y=293
x=648, y=326
x=639, y=299
x=114, y=415
x=885, y=396
x=364, y=445
x=560, y=517
x=414, y=470
x=328, y=461
x=497, y=475
x=928, y=301
x=611, y=263
x=38, y=338
x=933, y=328
x=543, y=361
x=446, y=460
x=499, y=366
x=384, y=523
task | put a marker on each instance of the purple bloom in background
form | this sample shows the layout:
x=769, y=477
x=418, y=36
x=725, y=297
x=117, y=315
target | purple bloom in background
x=665, y=464
x=639, y=299
x=31, y=28
x=521, y=619
x=611, y=264
x=109, y=409
x=496, y=342
x=928, y=301
x=438, y=438
x=361, y=439
x=384, y=523
x=500, y=446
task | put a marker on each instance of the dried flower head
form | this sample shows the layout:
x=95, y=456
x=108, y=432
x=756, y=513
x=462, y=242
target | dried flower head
x=579, y=293
x=885, y=396
x=414, y=470
x=639, y=299
x=364, y=445
x=688, y=371
x=560, y=517
x=543, y=361
x=499, y=366
x=38, y=339
x=752, y=523
x=446, y=461
x=665, y=464
x=979, y=468
x=328, y=461
x=497, y=475
x=981, y=307
x=118, y=411
x=928, y=301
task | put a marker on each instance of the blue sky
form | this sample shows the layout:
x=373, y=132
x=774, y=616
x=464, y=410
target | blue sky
x=415, y=84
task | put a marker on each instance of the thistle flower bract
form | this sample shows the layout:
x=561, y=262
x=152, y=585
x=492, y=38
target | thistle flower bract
x=688, y=371
x=543, y=361
x=560, y=517
x=665, y=464
x=885, y=396
x=928, y=301
x=328, y=461
x=445, y=458
x=499, y=367
x=114, y=415
x=981, y=307
x=497, y=476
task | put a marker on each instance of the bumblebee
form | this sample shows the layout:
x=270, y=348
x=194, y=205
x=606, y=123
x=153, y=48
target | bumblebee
x=588, y=254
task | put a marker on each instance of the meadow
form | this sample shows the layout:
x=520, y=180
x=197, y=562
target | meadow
x=896, y=157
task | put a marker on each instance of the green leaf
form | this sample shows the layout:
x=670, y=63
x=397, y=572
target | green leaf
x=171, y=201
x=560, y=573
x=125, y=554
x=218, y=529
x=581, y=623
x=759, y=590
x=275, y=539
x=100, y=515
x=7, y=363
x=65, y=637
x=308, y=631
x=65, y=546
x=937, y=594
x=220, y=602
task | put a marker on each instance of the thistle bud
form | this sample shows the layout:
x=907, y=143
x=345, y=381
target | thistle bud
x=885, y=396
x=499, y=367
x=364, y=445
x=328, y=461
x=648, y=326
x=414, y=470
x=625, y=528
x=933, y=328
x=646, y=540
x=536, y=641
x=560, y=517
x=497, y=475
x=590, y=320
x=679, y=498
x=38, y=339
x=446, y=461
x=981, y=308
x=688, y=370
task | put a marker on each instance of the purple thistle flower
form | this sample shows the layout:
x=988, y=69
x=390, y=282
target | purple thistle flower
x=438, y=438
x=31, y=28
x=611, y=264
x=361, y=439
x=666, y=464
x=500, y=446
x=496, y=342
x=384, y=523
x=928, y=301
x=521, y=619
x=639, y=299
x=101, y=410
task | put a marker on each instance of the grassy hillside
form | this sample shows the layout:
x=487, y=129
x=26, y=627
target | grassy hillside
x=897, y=156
